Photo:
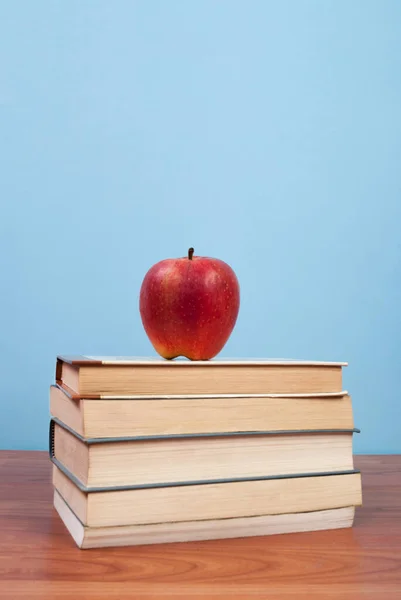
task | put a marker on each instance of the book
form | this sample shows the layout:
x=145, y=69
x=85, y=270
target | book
x=99, y=464
x=169, y=415
x=96, y=377
x=240, y=527
x=209, y=501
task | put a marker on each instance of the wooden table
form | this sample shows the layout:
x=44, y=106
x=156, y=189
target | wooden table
x=38, y=559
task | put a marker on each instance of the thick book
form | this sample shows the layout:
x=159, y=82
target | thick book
x=169, y=415
x=96, y=377
x=208, y=501
x=146, y=461
x=187, y=531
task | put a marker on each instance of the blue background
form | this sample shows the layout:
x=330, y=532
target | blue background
x=267, y=134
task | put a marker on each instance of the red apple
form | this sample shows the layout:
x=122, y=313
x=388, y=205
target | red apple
x=189, y=306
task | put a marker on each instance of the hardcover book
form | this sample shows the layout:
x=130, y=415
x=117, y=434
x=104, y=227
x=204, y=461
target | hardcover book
x=96, y=377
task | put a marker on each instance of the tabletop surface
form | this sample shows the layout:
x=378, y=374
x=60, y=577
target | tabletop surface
x=38, y=558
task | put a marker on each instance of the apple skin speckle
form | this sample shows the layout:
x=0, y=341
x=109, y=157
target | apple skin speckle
x=189, y=307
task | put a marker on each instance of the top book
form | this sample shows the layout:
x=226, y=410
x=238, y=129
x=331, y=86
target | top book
x=112, y=376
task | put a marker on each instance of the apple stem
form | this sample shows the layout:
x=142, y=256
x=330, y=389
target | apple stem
x=190, y=253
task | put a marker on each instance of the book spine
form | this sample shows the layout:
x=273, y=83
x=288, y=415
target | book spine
x=51, y=438
x=59, y=364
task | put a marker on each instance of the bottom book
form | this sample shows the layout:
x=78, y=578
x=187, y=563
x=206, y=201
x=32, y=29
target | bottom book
x=160, y=533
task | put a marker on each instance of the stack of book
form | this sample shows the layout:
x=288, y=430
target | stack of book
x=150, y=451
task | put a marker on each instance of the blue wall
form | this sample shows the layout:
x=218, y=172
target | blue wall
x=264, y=133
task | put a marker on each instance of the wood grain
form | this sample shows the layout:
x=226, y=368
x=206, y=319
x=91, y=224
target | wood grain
x=38, y=558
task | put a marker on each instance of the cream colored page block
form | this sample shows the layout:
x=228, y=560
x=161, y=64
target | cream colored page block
x=201, y=530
